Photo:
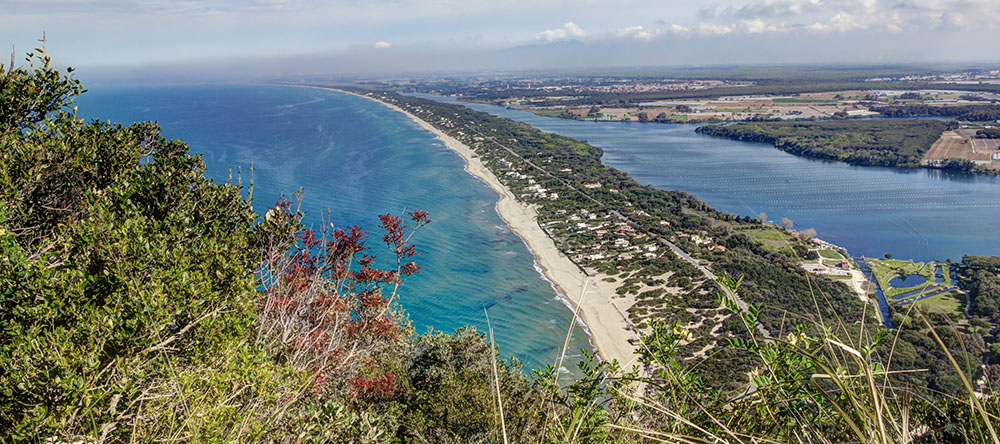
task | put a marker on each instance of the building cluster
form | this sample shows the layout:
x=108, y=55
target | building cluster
x=608, y=238
x=616, y=85
x=956, y=77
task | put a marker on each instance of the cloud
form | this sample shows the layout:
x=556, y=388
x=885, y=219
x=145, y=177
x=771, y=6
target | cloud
x=707, y=12
x=774, y=8
x=638, y=33
x=679, y=29
x=844, y=22
x=567, y=30
x=383, y=45
x=954, y=18
x=574, y=30
x=838, y=16
x=704, y=28
x=90, y=32
x=755, y=26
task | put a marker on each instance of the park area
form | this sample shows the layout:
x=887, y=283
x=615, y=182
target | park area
x=927, y=283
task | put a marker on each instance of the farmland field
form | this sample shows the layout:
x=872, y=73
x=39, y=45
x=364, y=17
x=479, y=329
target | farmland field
x=962, y=144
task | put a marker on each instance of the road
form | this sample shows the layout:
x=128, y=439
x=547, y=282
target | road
x=703, y=269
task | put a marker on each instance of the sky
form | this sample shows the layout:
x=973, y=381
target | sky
x=312, y=37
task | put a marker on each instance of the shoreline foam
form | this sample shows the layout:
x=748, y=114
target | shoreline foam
x=608, y=330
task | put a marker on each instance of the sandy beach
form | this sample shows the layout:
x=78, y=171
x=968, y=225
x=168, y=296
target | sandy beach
x=604, y=319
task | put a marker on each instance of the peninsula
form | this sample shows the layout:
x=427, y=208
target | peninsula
x=611, y=333
x=650, y=256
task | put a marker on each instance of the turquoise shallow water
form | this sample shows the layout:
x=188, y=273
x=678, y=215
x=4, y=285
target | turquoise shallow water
x=917, y=214
x=359, y=159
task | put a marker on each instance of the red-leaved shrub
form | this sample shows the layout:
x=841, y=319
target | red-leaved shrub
x=329, y=310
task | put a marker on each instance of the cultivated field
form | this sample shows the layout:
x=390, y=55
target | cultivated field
x=962, y=144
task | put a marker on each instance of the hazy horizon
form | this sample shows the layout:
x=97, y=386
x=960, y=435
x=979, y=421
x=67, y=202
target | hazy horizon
x=266, y=39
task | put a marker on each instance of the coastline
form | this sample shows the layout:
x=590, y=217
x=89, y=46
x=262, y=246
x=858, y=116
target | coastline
x=609, y=331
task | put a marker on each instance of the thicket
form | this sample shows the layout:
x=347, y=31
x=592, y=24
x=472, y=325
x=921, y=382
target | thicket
x=980, y=275
x=142, y=302
x=988, y=133
x=975, y=113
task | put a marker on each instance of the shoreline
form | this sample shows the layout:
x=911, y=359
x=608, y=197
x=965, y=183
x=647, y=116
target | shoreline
x=608, y=330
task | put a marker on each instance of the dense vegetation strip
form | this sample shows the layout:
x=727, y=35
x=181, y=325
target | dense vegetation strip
x=898, y=143
x=975, y=113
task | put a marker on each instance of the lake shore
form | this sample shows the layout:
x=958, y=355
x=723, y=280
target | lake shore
x=609, y=330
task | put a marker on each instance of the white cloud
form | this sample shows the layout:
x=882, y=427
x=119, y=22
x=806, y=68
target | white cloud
x=90, y=31
x=383, y=45
x=841, y=16
x=644, y=35
x=713, y=29
x=755, y=26
x=679, y=29
x=567, y=30
x=551, y=35
x=844, y=22
x=638, y=32
x=574, y=30
x=816, y=26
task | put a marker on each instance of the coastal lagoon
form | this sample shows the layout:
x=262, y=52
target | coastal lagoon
x=357, y=159
x=918, y=214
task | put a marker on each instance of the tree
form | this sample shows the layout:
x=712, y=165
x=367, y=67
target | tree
x=787, y=223
x=169, y=304
x=147, y=268
x=807, y=234
x=888, y=255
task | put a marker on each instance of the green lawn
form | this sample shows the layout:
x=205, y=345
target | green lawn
x=950, y=302
x=831, y=254
x=772, y=238
x=893, y=291
x=886, y=269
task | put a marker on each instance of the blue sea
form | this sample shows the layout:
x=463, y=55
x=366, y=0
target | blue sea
x=916, y=214
x=356, y=159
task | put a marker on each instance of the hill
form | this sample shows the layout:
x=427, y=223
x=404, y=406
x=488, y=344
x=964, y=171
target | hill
x=142, y=302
